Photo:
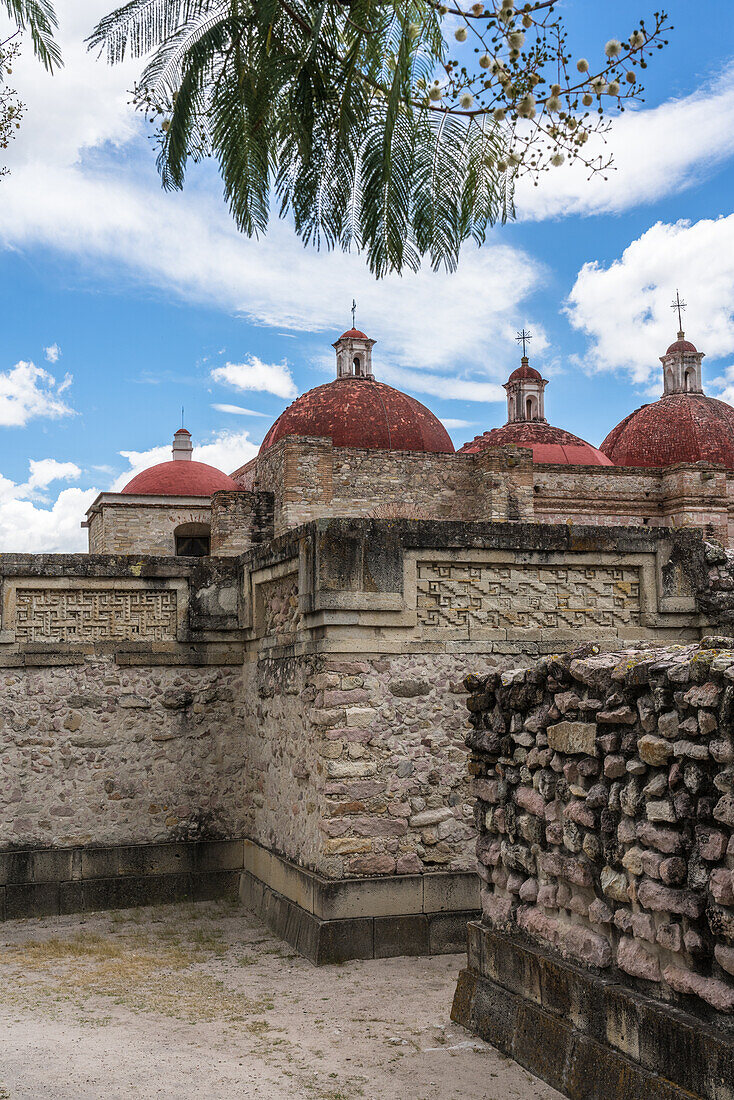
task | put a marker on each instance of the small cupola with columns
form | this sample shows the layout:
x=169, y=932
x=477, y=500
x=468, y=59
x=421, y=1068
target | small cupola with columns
x=682, y=367
x=525, y=389
x=682, y=360
x=354, y=355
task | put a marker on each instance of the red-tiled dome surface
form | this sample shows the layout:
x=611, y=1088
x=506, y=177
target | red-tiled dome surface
x=682, y=427
x=549, y=444
x=362, y=413
x=525, y=371
x=682, y=345
x=182, y=478
x=353, y=334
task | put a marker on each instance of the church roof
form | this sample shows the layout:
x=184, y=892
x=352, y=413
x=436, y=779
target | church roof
x=681, y=427
x=179, y=479
x=548, y=444
x=361, y=412
x=527, y=372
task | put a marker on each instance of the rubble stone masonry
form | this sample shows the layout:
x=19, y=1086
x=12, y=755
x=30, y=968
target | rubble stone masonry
x=604, y=787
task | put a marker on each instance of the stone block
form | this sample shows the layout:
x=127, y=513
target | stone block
x=447, y=932
x=33, y=899
x=376, y=897
x=573, y=738
x=450, y=891
x=402, y=935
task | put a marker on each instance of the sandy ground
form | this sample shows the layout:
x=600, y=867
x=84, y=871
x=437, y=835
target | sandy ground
x=201, y=1001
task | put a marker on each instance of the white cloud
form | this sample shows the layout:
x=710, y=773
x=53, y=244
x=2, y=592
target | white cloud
x=237, y=410
x=226, y=451
x=624, y=309
x=458, y=389
x=657, y=152
x=28, y=391
x=451, y=424
x=30, y=528
x=52, y=353
x=46, y=470
x=253, y=374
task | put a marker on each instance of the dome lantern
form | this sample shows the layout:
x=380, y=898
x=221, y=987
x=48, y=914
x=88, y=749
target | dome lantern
x=682, y=367
x=182, y=446
x=354, y=355
x=525, y=389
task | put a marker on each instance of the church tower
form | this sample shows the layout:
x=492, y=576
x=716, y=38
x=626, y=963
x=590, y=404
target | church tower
x=525, y=389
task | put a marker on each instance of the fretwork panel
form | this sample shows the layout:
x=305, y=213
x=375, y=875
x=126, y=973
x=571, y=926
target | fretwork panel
x=476, y=597
x=94, y=615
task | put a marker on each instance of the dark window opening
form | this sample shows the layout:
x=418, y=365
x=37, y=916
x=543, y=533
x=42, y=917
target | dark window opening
x=192, y=546
x=193, y=540
x=357, y=365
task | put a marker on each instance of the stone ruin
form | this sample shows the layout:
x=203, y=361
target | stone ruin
x=286, y=725
x=604, y=787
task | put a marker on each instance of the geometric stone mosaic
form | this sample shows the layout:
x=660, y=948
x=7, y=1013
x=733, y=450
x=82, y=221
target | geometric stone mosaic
x=91, y=615
x=478, y=596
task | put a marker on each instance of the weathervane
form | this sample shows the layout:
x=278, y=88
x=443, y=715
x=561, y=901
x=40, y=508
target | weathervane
x=354, y=310
x=523, y=337
x=677, y=304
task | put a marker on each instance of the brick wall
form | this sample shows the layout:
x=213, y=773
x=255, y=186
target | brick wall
x=98, y=754
x=240, y=520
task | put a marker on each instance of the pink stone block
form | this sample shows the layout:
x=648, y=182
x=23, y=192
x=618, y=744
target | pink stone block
x=530, y=800
x=636, y=960
x=715, y=992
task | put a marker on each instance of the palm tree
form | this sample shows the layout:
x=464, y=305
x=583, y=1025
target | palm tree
x=369, y=122
x=39, y=18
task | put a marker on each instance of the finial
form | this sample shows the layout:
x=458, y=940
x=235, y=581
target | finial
x=354, y=310
x=677, y=304
x=524, y=337
x=182, y=416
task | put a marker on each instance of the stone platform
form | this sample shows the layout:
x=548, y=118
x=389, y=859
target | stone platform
x=586, y=1034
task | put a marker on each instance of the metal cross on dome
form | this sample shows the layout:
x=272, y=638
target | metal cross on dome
x=523, y=337
x=677, y=304
x=354, y=310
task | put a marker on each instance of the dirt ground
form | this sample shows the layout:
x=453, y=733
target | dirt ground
x=201, y=1001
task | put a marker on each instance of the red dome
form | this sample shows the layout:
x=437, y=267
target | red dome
x=525, y=371
x=684, y=346
x=548, y=444
x=362, y=413
x=353, y=334
x=180, y=478
x=682, y=427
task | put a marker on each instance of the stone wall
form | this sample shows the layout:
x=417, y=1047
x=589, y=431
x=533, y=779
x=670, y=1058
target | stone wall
x=679, y=496
x=311, y=479
x=357, y=766
x=240, y=520
x=120, y=524
x=96, y=754
x=604, y=800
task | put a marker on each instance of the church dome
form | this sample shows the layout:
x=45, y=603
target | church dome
x=361, y=412
x=181, y=477
x=357, y=411
x=525, y=371
x=548, y=444
x=681, y=427
x=527, y=427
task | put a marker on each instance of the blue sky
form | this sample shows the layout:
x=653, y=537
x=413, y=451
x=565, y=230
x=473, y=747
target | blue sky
x=122, y=303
